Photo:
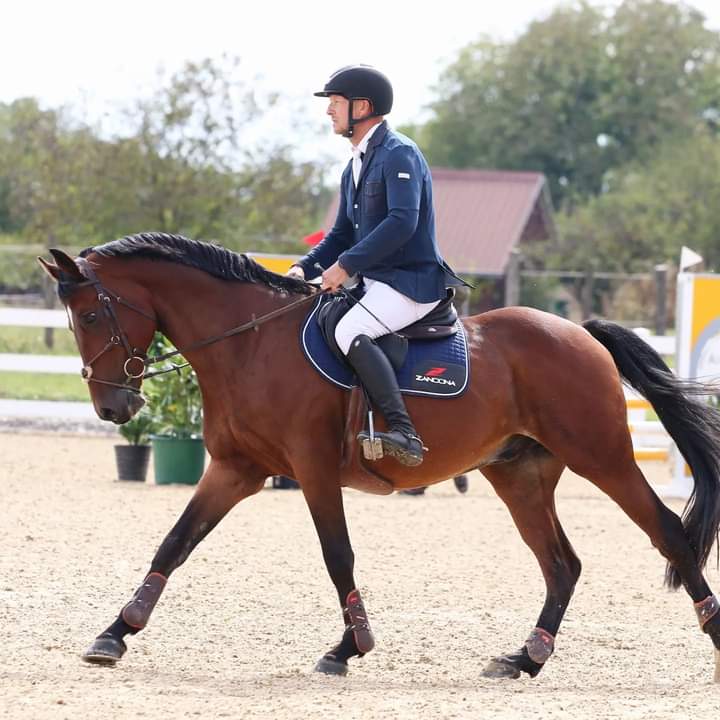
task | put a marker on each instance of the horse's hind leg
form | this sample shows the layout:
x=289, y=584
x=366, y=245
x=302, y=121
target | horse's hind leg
x=222, y=486
x=526, y=484
x=625, y=483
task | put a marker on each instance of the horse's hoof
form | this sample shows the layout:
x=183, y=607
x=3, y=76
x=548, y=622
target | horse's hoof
x=328, y=666
x=498, y=668
x=105, y=651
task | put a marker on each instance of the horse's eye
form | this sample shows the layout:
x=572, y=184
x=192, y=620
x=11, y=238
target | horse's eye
x=88, y=318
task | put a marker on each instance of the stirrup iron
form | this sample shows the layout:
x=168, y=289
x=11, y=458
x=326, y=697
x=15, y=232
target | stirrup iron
x=372, y=446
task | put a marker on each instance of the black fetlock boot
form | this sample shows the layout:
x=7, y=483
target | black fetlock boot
x=377, y=375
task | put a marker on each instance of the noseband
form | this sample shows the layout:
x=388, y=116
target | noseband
x=135, y=355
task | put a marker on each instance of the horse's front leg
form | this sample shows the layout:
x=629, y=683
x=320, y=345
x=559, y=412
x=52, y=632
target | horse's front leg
x=326, y=507
x=222, y=486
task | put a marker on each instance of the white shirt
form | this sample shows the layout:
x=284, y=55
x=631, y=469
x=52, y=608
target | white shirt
x=359, y=150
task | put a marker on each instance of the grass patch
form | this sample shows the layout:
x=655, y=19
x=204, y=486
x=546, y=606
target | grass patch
x=31, y=340
x=41, y=386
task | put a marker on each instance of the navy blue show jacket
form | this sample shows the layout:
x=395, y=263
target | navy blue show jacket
x=385, y=228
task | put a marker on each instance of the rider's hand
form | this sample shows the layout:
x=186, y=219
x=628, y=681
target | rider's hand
x=296, y=272
x=334, y=277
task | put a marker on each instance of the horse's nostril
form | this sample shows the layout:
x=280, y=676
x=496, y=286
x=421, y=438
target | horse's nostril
x=107, y=414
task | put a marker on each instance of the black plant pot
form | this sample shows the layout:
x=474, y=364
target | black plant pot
x=132, y=462
x=282, y=482
x=461, y=483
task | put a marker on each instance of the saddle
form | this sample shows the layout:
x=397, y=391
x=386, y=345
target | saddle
x=440, y=322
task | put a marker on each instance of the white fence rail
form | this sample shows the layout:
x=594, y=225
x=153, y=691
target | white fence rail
x=27, y=317
x=56, y=364
x=21, y=362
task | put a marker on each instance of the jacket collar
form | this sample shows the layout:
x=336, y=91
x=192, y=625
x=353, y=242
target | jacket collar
x=377, y=137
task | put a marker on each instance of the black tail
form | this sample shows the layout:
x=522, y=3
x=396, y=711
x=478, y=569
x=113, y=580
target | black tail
x=691, y=422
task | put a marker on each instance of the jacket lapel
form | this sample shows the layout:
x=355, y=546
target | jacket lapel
x=376, y=139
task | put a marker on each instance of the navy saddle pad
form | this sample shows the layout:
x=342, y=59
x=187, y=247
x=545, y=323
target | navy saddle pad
x=437, y=368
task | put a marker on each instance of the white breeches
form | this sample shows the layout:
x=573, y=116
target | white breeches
x=394, y=309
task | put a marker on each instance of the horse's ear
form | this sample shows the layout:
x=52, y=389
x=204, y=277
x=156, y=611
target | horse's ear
x=52, y=270
x=70, y=271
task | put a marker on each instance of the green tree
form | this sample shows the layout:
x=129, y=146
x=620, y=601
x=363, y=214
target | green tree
x=46, y=164
x=187, y=162
x=281, y=201
x=578, y=94
x=193, y=166
x=648, y=212
x=185, y=147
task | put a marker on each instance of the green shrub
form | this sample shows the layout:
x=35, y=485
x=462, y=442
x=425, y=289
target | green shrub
x=138, y=430
x=174, y=399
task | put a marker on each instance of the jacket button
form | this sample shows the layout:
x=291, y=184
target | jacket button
x=356, y=206
x=356, y=226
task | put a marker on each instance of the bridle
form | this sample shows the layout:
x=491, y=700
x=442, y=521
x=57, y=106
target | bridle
x=137, y=362
x=135, y=356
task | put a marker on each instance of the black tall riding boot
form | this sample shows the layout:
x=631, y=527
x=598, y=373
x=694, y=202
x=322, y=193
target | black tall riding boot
x=377, y=375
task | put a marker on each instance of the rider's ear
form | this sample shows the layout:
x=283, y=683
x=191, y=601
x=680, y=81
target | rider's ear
x=70, y=271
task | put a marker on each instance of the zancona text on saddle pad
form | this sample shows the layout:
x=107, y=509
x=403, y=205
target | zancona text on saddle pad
x=435, y=368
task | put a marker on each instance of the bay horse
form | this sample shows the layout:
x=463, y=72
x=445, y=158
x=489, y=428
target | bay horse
x=544, y=394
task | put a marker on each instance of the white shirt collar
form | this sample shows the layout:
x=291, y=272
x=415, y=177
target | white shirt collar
x=361, y=147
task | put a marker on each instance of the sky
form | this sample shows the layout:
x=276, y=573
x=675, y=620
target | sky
x=98, y=56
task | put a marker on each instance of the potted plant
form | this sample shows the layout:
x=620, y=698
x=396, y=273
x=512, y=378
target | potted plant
x=175, y=405
x=132, y=459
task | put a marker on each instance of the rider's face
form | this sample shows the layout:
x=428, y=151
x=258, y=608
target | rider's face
x=337, y=109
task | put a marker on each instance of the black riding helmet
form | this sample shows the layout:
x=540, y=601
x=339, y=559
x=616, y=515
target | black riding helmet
x=360, y=82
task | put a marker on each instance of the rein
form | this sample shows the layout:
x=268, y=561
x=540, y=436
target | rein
x=118, y=336
x=250, y=325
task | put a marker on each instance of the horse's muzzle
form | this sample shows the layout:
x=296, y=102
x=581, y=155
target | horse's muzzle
x=127, y=404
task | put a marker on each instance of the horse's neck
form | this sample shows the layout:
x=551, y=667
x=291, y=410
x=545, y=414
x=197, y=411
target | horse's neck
x=194, y=306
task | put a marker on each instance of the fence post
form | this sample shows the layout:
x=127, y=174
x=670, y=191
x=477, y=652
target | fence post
x=586, y=295
x=462, y=299
x=661, y=299
x=49, y=301
x=512, y=279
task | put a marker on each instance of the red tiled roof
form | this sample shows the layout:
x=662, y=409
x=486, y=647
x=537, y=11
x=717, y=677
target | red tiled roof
x=481, y=215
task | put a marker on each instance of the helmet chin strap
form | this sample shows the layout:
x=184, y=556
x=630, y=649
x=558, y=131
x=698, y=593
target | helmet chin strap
x=354, y=121
x=351, y=123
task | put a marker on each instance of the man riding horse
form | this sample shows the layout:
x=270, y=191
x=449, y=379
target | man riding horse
x=385, y=234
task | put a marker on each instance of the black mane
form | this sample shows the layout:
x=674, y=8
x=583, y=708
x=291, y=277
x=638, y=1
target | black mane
x=213, y=259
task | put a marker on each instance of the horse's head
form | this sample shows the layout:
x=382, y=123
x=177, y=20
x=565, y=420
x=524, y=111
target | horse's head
x=113, y=327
